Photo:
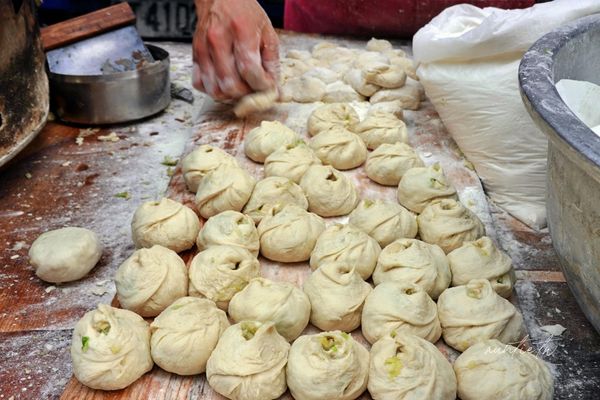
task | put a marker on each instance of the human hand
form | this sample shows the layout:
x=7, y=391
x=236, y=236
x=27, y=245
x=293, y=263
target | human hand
x=235, y=49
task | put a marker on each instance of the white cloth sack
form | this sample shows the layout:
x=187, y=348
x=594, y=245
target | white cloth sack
x=468, y=63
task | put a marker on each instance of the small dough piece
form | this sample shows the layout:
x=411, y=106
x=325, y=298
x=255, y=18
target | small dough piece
x=226, y=188
x=266, y=138
x=282, y=303
x=290, y=234
x=379, y=127
x=370, y=59
x=420, y=186
x=339, y=148
x=329, y=192
x=256, y=103
x=414, y=261
x=384, y=221
x=249, y=362
x=493, y=370
x=386, y=76
x=380, y=45
x=389, y=162
x=328, y=365
x=185, y=334
x=340, y=92
x=409, y=95
x=65, y=255
x=150, y=280
x=401, y=307
x=481, y=259
x=165, y=222
x=324, y=74
x=110, y=348
x=405, y=63
x=200, y=162
x=357, y=80
x=337, y=294
x=448, y=223
x=405, y=366
x=229, y=228
x=303, y=89
x=328, y=116
x=271, y=194
x=348, y=245
x=291, y=161
x=219, y=272
x=389, y=107
x=474, y=313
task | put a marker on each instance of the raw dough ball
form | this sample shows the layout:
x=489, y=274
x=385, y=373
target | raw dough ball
x=219, y=272
x=337, y=294
x=271, y=194
x=226, y=188
x=348, y=245
x=384, y=221
x=65, y=255
x=389, y=107
x=200, y=162
x=357, y=80
x=386, y=76
x=448, y=223
x=291, y=161
x=280, y=302
x=339, y=148
x=266, y=138
x=474, y=312
x=493, y=370
x=370, y=59
x=404, y=366
x=408, y=65
x=299, y=54
x=329, y=192
x=328, y=365
x=185, y=334
x=165, y=222
x=339, y=92
x=256, y=102
x=329, y=116
x=150, y=280
x=414, y=261
x=481, y=259
x=249, y=362
x=379, y=127
x=110, y=348
x=409, y=95
x=389, y=162
x=401, y=307
x=303, y=89
x=324, y=74
x=420, y=186
x=229, y=228
x=380, y=45
x=335, y=54
x=292, y=68
x=290, y=234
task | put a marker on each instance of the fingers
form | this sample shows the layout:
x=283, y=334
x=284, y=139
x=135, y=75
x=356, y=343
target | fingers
x=248, y=57
x=270, y=52
x=203, y=75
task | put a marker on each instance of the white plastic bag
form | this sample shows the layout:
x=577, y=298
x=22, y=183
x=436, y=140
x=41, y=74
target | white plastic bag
x=469, y=59
x=582, y=98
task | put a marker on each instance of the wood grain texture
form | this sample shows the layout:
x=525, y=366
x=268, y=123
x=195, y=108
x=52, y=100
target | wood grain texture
x=41, y=336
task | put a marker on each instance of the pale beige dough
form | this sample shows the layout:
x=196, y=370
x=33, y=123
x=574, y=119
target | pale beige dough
x=303, y=89
x=291, y=161
x=380, y=127
x=256, y=103
x=386, y=76
x=390, y=107
x=330, y=116
x=358, y=81
x=380, y=45
x=339, y=148
x=271, y=194
x=384, y=221
x=390, y=161
x=263, y=140
x=340, y=92
x=200, y=162
x=329, y=192
x=420, y=186
x=229, y=228
x=409, y=95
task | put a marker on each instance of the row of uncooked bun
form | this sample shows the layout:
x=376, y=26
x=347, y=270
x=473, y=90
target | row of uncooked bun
x=250, y=360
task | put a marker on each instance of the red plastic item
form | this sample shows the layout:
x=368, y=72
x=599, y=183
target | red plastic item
x=389, y=18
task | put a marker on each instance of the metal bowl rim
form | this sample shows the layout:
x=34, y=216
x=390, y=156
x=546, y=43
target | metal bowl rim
x=536, y=81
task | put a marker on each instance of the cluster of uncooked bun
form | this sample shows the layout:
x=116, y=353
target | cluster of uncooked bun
x=428, y=247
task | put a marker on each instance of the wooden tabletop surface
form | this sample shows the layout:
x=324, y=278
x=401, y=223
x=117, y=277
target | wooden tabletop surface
x=74, y=176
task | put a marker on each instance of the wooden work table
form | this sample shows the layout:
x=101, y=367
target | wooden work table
x=75, y=176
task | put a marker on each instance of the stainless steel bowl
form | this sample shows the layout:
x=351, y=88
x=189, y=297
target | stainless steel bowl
x=113, y=98
x=573, y=179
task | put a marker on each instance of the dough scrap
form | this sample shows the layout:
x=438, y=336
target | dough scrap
x=329, y=192
x=271, y=194
x=65, y=255
x=263, y=140
x=390, y=161
x=384, y=221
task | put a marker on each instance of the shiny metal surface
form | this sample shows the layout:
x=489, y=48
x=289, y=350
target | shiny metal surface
x=113, y=98
x=24, y=99
x=573, y=179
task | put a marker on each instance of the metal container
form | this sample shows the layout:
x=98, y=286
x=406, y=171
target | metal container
x=573, y=179
x=23, y=83
x=115, y=97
